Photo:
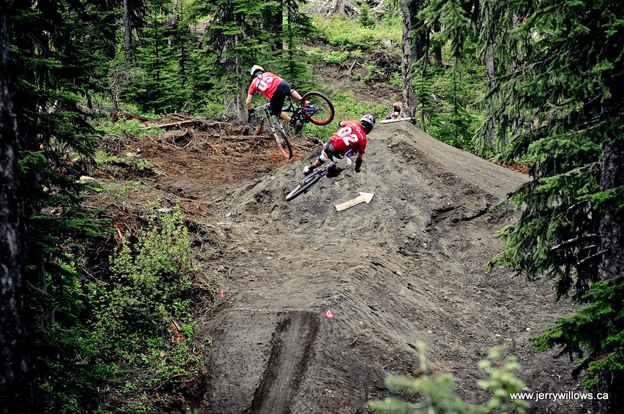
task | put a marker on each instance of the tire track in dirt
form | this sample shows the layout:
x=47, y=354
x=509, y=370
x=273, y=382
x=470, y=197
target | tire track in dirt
x=291, y=347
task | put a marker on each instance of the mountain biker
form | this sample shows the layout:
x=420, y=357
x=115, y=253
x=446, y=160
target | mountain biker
x=397, y=111
x=351, y=136
x=274, y=88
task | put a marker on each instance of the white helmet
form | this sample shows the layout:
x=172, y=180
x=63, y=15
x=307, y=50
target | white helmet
x=368, y=120
x=254, y=69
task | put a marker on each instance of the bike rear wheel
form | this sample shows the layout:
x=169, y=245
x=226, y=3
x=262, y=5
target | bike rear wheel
x=317, y=108
x=303, y=187
x=282, y=140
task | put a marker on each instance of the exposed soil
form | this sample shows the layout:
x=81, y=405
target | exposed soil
x=408, y=267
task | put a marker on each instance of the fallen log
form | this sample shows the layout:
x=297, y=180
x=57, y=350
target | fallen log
x=116, y=115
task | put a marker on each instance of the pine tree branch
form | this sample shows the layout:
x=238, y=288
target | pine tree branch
x=574, y=241
x=593, y=256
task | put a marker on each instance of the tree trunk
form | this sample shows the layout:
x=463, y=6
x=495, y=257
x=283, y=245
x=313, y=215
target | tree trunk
x=412, y=52
x=489, y=72
x=612, y=223
x=612, y=263
x=611, y=383
x=516, y=122
x=15, y=391
x=437, y=50
x=175, y=11
x=127, y=31
x=338, y=6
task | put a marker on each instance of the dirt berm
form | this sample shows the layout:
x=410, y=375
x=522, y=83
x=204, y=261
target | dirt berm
x=408, y=267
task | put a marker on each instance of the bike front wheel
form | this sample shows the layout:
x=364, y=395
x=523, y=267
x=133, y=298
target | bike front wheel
x=303, y=187
x=282, y=140
x=317, y=108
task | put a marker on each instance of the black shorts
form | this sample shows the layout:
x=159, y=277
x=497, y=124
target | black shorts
x=279, y=96
x=331, y=152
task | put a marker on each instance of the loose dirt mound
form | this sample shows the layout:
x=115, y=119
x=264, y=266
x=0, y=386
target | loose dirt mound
x=408, y=267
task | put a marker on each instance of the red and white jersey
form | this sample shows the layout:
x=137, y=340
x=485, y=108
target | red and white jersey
x=350, y=137
x=267, y=83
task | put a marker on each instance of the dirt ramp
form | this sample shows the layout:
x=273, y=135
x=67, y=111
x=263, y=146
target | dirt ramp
x=269, y=357
x=259, y=359
x=417, y=181
x=450, y=161
x=409, y=267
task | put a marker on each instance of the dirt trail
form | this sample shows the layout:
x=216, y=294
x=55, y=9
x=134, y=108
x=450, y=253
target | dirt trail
x=408, y=267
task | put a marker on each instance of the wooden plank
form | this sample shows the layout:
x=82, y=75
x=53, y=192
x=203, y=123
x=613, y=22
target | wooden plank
x=362, y=198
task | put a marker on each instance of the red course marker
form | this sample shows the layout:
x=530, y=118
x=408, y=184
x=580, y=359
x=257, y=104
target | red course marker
x=221, y=292
x=329, y=313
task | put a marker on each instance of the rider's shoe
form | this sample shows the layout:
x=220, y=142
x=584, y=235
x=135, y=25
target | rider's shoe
x=308, y=170
x=333, y=171
x=297, y=125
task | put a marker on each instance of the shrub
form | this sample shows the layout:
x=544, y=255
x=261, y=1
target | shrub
x=117, y=324
x=436, y=389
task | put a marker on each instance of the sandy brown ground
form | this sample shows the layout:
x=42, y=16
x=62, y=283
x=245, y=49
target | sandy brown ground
x=409, y=267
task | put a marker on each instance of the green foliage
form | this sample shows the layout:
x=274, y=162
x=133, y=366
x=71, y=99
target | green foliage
x=553, y=101
x=436, y=389
x=57, y=54
x=595, y=334
x=445, y=99
x=454, y=16
x=148, y=286
x=133, y=127
x=502, y=382
x=132, y=160
x=333, y=57
x=446, y=96
x=102, y=324
x=157, y=89
x=365, y=18
x=341, y=31
x=569, y=117
x=297, y=29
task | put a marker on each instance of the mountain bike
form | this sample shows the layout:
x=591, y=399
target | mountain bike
x=308, y=182
x=314, y=107
x=277, y=130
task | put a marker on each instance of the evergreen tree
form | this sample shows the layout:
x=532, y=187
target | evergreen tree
x=153, y=90
x=501, y=53
x=234, y=42
x=569, y=89
x=15, y=385
x=298, y=28
x=456, y=16
x=58, y=48
x=183, y=43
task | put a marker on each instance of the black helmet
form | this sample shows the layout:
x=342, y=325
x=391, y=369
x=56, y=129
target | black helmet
x=368, y=122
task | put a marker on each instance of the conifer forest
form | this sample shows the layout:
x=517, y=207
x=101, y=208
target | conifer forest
x=154, y=260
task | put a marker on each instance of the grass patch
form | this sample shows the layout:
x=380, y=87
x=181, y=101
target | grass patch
x=345, y=33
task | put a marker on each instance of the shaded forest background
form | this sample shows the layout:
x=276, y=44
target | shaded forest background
x=540, y=83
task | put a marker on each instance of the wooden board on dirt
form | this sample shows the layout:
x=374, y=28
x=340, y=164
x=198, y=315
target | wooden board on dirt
x=387, y=121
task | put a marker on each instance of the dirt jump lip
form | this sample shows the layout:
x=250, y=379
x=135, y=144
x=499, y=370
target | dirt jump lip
x=407, y=267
